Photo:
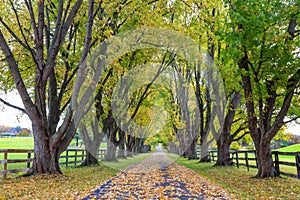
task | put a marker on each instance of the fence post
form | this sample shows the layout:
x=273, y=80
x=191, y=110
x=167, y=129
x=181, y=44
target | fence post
x=82, y=155
x=298, y=164
x=256, y=162
x=28, y=156
x=67, y=158
x=75, y=161
x=5, y=165
x=237, y=159
x=277, y=162
x=247, y=161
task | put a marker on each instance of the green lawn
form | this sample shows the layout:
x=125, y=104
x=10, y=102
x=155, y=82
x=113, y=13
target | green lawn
x=16, y=143
x=291, y=148
x=239, y=182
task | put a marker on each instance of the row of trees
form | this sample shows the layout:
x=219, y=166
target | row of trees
x=253, y=45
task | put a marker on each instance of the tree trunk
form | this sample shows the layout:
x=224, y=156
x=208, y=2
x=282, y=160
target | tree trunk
x=140, y=145
x=225, y=138
x=92, y=153
x=265, y=162
x=91, y=145
x=46, y=156
x=204, y=153
x=90, y=159
x=192, y=150
x=45, y=160
x=129, y=146
x=223, y=151
x=111, y=152
x=135, y=145
x=121, y=153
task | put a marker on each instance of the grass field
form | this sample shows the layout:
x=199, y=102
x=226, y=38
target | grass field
x=16, y=143
x=291, y=148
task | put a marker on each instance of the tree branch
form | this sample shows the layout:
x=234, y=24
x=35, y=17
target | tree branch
x=293, y=119
x=13, y=106
x=33, y=54
x=56, y=43
x=13, y=34
x=13, y=66
x=237, y=139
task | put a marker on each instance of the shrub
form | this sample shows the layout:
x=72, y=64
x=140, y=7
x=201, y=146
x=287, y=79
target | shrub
x=235, y=146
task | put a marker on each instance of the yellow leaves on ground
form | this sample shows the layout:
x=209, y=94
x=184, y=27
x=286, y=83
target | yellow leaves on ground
x=239, y=183
x=74, y=184
x=158, y=178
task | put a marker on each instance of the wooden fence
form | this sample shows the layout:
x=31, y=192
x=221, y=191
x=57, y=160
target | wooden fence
x=72, y=156
x=7, y=161
x=249, y=160
x=69, y=157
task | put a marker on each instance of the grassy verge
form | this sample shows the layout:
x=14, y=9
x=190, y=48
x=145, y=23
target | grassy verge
x=76, y=183
x=239, y=182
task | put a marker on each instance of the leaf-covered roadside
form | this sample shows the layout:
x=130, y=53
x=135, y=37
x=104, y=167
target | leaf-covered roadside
x=239, y=183
x=74, y=184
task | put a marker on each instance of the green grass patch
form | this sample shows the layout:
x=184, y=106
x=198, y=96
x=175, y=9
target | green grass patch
x=16, y=143
x=239, y=182
x=291, y=148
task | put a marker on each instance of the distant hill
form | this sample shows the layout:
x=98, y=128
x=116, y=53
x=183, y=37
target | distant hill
x=291, y=148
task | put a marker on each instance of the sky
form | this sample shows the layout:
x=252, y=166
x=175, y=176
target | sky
x=12, y=117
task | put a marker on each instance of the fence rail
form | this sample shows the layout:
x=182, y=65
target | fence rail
x=7, y=161
x=249, y=160
x=72, y=156
x=69, y=157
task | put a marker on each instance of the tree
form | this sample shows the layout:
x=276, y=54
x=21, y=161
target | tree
x=47, y=39
x=264, y=40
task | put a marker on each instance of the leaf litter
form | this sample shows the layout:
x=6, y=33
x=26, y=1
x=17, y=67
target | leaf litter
x=158, y=177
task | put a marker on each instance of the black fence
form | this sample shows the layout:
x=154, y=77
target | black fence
x=71, y=157
x=249, y=160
